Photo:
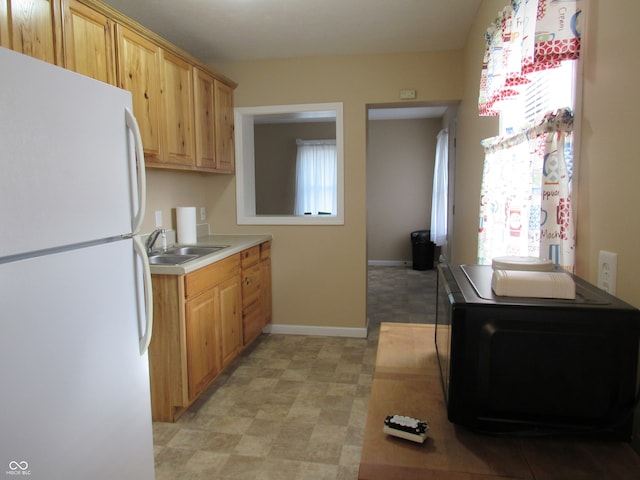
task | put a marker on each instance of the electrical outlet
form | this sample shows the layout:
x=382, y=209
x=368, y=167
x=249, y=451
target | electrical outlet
x=203, y=213
x=158, y=218
x=607, y=271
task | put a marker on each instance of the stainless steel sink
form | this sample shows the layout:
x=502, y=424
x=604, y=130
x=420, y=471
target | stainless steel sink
x=180, y=255
x=164, y=259
x=199, y=251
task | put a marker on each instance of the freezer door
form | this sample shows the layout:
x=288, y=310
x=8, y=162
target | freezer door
x=75, y=400
x=65, y=155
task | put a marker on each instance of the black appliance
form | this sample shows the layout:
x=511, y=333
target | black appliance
x=535, y=366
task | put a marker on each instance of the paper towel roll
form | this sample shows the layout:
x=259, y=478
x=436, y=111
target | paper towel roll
x=186, y=219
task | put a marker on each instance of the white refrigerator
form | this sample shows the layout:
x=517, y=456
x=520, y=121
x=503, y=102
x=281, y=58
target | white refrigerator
x=75, y=309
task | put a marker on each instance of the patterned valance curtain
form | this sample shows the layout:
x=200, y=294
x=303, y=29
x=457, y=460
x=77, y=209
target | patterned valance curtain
x=525, y=200
x=527, y=36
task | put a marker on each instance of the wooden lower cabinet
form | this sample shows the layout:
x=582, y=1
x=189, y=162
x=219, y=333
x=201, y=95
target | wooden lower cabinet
x=202, y=321
x=197, y=331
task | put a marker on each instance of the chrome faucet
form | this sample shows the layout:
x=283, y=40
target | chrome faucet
x=151, y=239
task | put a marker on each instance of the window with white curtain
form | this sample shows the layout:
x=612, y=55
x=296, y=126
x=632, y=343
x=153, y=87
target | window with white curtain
x=316, y=178
x=440, y=194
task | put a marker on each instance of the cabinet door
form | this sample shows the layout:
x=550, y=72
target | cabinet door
x=88, y=42
x=139, y=73
x=4, y=25
x=225, y=148
x=204, y=106
x=177, y=103
x=202, y=346
x=35, y=26
x=230, y=319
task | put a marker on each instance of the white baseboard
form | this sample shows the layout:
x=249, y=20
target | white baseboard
x=390, y=263
x=283, y=329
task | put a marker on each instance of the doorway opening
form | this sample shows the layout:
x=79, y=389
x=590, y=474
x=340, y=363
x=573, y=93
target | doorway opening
x=401, y=147
x=401, y=150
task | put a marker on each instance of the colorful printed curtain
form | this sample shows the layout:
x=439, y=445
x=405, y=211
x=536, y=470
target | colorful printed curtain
x=525, y=200
x=527, y=36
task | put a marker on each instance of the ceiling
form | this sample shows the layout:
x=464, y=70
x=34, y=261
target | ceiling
x=219, y=31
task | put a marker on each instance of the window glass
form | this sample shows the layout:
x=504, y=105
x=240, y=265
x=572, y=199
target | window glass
x=548, y=91
x=316, y=178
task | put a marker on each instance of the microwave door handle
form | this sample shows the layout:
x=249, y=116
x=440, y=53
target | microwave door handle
x=140, y=251
x=132, y=124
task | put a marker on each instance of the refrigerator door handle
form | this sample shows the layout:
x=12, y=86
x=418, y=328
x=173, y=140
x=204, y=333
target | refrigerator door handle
x=132, y=124
x=140, y=250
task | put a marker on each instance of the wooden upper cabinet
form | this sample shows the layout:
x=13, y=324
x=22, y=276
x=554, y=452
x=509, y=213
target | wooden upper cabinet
x=225, y=148
x=35, y=29
x=4, y=25
x=139, y=73
x=184, y=110
x=204, y=105
x=177, y=109
x=88, y=42
x=214, y=123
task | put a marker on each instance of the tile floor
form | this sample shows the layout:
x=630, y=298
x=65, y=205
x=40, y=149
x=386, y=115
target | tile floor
x=292, y=407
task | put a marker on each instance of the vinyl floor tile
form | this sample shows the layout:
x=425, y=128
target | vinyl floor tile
x=292, y=407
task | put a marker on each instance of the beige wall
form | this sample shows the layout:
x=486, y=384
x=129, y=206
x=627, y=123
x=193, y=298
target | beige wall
x=319, y=272
x=167, y=190
x=608, y=167
x=400, y=159
x=312, y=264
x=275, y=162
x=471, y=129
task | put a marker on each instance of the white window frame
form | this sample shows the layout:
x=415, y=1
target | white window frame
x=245, y=163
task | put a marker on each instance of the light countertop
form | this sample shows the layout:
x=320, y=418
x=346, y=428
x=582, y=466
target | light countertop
x=237, y=243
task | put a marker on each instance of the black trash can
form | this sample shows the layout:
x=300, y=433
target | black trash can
x=422, y=249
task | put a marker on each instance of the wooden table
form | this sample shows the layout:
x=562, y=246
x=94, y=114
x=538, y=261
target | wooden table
x=407, y=382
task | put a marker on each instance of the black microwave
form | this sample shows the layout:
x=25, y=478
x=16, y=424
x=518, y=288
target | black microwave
x=535, y=366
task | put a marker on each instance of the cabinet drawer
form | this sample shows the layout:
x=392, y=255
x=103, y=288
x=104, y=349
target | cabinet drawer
x=250, y=256
x=265, y=251
x=250, y=285
x=211, y=275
